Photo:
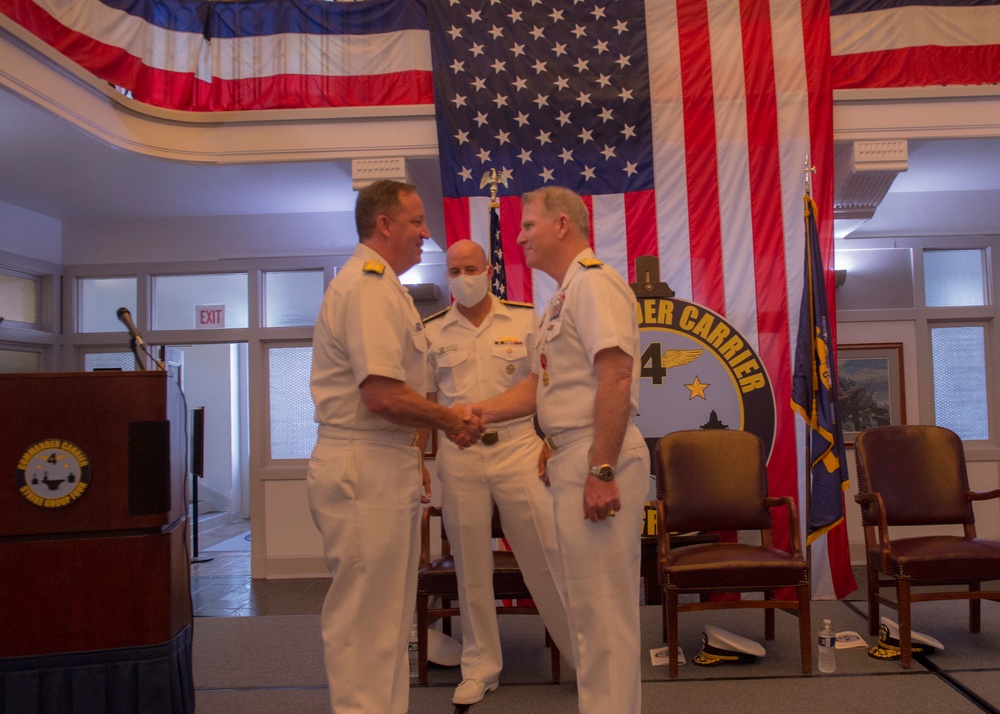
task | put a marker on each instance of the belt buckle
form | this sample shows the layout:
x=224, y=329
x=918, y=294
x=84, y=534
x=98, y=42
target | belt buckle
x=550, y=442
x=490, y=437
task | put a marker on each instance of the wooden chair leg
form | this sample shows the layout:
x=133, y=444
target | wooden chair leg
x=663, y=611
x=805, y=628
x=873, y=616
x=672, y=635
x=905, y=633
x=974, y=608
x=422, y=607
x=446, y=621
x=769, y=617
x=554, y=655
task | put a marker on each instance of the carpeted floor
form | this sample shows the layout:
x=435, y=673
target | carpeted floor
x=273, y=665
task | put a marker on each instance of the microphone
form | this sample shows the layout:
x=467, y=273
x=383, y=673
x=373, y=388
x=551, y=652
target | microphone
x=126, y=317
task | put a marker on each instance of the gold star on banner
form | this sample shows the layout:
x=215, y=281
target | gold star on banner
x=697, y=389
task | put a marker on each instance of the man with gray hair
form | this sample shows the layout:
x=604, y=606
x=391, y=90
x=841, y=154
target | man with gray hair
x=363, y=483
x=585, y=385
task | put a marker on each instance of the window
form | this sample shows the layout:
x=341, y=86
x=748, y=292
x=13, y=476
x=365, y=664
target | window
x=960, y=387
x=20, y=361
x=292, y=297
x=178, y=297
x=100, y=300
x=293, y=431
x=954, y=278
x=125, y=361
x=19, y=300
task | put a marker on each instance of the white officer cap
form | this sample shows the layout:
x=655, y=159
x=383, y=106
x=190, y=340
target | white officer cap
x=887, y=646
x=721, y=647
x=442, y=649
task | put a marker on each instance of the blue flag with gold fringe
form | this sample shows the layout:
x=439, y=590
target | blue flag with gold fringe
x=814, y=392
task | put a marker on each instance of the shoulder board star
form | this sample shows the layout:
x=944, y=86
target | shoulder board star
x=437, y=315
x=590, y=262
x=517, y=304
x=374, y=266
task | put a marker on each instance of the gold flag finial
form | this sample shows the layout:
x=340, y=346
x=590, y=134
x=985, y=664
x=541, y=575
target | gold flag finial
x=493, y=179
x=809, y=170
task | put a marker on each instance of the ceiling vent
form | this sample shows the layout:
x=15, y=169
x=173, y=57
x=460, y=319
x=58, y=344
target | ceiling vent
x=864, y=172
x=367, y=171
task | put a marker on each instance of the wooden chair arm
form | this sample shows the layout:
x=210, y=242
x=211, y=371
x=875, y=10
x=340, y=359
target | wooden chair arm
x=876, y=506
x=983, y=495
x=793, y=520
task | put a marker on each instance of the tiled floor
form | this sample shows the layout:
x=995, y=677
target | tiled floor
x=222, y=587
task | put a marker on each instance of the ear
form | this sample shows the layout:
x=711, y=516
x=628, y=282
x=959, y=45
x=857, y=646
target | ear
x=563, y=223
x=382, y=224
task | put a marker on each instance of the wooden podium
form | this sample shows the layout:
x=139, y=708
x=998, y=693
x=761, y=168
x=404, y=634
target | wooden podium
x=93, y=526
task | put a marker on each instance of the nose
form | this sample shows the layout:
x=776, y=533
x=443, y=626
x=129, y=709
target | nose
x=521, y=240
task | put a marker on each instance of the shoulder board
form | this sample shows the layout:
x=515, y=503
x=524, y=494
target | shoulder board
x=590, y=262
x=517, y=304
x=374, y=266
x=437, y=315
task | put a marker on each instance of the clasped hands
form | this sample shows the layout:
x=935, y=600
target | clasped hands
x=471, y=426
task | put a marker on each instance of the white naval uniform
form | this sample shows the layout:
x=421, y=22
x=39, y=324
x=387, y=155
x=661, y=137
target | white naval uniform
x=594, y=309
x=469, y=364
x=364, y=485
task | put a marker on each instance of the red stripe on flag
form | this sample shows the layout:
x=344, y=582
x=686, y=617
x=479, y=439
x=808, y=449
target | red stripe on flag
x=640, y=227
x=184, y=91
x=768, y=227
x=705, y=223
x=457, y=221
x=518, y=273
x=918, y=67
x=588, y=201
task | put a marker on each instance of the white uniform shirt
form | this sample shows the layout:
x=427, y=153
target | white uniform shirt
x=367, y=325
x=468, y=364
x=592, y=310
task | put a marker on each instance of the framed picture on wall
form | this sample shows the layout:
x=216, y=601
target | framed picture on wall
x=870, y=384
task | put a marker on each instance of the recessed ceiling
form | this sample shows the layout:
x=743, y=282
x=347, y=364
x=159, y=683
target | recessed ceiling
x=47, y=166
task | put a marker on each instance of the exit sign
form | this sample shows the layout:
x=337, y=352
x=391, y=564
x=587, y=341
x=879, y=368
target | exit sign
x=209, y=316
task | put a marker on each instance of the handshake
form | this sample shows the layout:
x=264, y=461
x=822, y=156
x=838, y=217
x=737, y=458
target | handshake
x=468, y=425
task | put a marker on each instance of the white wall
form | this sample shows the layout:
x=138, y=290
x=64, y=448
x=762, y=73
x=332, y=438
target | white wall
x=207, y=238
x=30, y=234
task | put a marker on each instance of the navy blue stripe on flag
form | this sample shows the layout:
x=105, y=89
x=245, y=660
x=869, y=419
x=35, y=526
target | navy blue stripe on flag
x=545, y=93
x=849, y=7
x=261, y=18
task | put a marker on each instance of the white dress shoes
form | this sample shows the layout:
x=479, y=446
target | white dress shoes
x=471, y=691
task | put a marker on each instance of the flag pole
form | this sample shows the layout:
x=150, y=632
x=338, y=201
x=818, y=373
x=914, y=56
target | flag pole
x=809, y=170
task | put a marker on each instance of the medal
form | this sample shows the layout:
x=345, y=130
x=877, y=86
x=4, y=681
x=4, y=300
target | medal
x=545, y=373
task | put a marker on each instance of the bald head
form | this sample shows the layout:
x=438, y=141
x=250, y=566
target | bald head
x=466, y=257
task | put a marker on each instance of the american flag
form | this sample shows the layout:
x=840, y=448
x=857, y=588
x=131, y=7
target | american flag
x=684, y=124
x=499, y=286
x=905, y=43
x=230, y=56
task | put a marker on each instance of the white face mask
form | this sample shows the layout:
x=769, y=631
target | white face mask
x=468, y=290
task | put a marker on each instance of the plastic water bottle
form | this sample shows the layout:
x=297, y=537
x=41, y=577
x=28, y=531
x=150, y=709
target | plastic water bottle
x=827, y=648
x=411, y=652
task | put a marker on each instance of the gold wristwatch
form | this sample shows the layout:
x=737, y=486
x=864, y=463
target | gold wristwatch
x=605, y=472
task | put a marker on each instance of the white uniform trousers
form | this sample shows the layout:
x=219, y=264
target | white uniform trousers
x=365, y=500
x=601, y=566
x=471, y=480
